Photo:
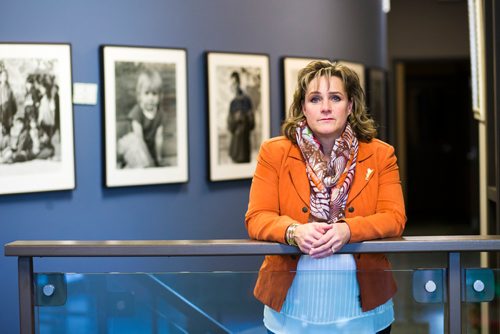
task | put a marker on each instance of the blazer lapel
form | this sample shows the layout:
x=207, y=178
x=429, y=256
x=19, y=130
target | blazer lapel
x=298, y=174
x=364, y=172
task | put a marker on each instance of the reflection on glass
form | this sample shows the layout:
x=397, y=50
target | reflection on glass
x=213, y=302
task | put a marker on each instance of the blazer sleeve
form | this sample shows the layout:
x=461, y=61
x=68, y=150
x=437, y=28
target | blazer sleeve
x=264, y=219
x=389, y=217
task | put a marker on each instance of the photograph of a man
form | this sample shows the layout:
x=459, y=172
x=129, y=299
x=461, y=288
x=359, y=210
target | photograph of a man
x=238, y=110
x=240, y=122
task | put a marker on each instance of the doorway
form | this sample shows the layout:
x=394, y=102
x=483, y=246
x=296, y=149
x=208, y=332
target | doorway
x=437, y=146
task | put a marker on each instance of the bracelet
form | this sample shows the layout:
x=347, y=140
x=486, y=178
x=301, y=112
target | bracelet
x=290, y=234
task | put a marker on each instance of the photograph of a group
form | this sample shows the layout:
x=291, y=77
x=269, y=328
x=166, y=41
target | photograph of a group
x=146, y=115
x=238, y=94
x=36, y=118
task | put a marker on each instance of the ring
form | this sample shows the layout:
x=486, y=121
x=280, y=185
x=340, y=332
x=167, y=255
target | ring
x=333, y=249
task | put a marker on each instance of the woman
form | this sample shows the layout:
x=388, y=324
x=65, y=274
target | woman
x=328, y=160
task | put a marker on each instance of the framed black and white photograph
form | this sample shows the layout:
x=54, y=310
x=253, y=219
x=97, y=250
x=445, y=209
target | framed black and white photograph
x=145, y=102
x=36, y=115
x=239, y=112
x=358, y=68
x=291, y=67
x=376, y=94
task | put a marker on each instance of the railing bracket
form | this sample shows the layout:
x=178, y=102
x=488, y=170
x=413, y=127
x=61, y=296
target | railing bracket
x=50, y=289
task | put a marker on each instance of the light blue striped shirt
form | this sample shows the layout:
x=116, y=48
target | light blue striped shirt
x=324, y=298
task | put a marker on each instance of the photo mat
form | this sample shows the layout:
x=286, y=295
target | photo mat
x=145, y=93
x=36, y=116
x=239, y=112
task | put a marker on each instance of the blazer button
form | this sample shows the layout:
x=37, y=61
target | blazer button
x=351, y=209
x=304, y=209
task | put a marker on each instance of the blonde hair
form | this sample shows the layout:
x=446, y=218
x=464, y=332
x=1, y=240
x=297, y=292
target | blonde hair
x=361, y=123
x=150, y=77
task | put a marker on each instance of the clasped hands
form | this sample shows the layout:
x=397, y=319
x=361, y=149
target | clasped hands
x=320, y=240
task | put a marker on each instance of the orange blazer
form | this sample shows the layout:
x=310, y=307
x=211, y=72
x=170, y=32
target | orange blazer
x=279, y=196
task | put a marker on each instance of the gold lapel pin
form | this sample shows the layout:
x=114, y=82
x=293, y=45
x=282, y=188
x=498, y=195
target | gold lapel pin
x=369, y=172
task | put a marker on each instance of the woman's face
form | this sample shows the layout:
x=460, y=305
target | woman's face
x=149, y=98
x=326, y=107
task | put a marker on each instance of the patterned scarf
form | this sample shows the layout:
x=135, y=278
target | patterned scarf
x=330, y=181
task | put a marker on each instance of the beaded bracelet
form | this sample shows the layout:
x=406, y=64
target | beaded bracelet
x=290, y=234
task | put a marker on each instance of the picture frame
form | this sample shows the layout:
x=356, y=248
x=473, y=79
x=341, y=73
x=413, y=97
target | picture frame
x=359, y=68
x=145, y=115
x=238, y=112
x=290, y=69
x=376, y=96
x=37, y=135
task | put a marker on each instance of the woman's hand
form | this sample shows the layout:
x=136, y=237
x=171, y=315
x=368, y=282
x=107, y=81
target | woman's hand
x=331, y=241
x=306, y=235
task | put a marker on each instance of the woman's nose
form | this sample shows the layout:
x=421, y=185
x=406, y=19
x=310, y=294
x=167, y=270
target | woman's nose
x=326, y=106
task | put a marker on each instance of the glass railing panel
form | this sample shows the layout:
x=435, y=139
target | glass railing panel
x=190, y=302
x=481, y=308
x=427, y=317
x=414, y=313
x=148, y=303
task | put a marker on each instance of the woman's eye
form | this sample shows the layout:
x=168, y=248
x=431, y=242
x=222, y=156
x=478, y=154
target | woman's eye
x=335, y=98
x=315, y=99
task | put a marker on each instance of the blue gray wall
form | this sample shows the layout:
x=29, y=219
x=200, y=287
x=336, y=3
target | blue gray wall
x=343, y=29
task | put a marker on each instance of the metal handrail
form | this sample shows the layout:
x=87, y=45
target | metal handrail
x=26, y=250
x=153, y=248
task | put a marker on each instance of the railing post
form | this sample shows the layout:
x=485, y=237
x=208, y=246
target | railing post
x=454, y=293
x=26, y=295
